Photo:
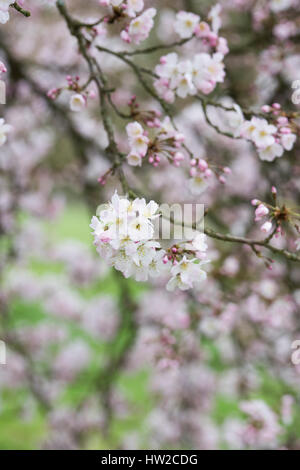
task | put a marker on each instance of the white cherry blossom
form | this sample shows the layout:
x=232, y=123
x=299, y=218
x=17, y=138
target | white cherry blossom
x=141, y=26
x=77, y=102
x=186, y=23
x=4, y=130
x=288, y=140
x=4, y=10
x=271, y=152
x=215, y=18
x=280, y=5
x=186, y=274
x=134, y=7
x=263, y=134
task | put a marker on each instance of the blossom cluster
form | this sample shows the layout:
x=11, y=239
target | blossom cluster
x=139, y=28
x=80, y=94
x=163, y=140
x=201, y=173
x=188, y=24
x=124, y=237
x=271, y=140
x=280, y=214
x=140, y=24
x=183, y=78
x=262, y=211
x=204, y=71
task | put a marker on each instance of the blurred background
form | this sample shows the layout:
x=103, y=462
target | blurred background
x=97, y=361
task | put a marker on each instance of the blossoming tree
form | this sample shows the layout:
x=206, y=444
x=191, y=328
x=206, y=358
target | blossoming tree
x=124, y=106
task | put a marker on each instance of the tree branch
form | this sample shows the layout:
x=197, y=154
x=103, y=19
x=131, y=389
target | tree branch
x=21, y=10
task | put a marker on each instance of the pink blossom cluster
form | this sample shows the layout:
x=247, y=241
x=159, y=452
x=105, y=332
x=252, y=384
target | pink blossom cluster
x=273, y=139
x=141, y=22
x=79, y=97
x=201, y=173
x=204, y=71
x=162, y=140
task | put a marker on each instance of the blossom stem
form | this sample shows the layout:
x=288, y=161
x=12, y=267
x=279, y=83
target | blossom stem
x=21, y=10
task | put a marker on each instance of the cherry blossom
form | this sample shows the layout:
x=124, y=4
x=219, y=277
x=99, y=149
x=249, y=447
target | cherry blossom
x=140, y=27
x=77, y=103
x=186, y=24
x=4, y=130
x=4, y=11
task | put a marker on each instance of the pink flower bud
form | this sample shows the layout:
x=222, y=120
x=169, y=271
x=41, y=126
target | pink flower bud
x=255, y=202
x=3, y=69
x=266, y=227
x=282, y=120
x=266, y=108
x=213, y=39
x=261, y=211
x=102, y=181
x=202, y=165
x=208, y=173
x=125, y=37
x=179, y=157
x=285, y=130
x=208, y=87
x=179, y=137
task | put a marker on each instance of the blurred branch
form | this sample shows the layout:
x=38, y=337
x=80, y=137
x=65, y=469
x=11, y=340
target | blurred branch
x=252, y=243
x=159, y=47
x=98, y=77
